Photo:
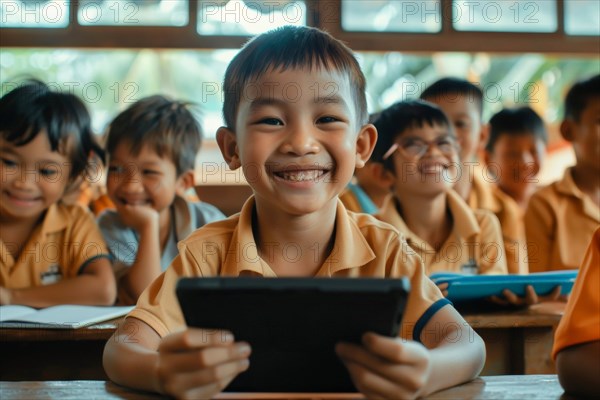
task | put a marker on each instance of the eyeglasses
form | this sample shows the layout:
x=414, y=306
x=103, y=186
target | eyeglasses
x=416, y=148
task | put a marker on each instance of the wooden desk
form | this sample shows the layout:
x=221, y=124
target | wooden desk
x=489, y=387
x=517, y=342
x=54, y=354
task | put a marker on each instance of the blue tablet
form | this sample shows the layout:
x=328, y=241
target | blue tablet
x=293, y=324
x=472, y=287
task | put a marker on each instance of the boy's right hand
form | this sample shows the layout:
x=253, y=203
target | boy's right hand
x=138, y=217
x=199, y=363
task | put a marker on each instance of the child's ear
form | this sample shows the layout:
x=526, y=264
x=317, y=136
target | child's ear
x=487, y=157
x=184, y=182
x=484, y=135
x=228, y=144
x=365, y=144
x=567, y=131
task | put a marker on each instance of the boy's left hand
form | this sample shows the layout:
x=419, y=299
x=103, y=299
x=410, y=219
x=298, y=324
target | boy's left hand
x=530, y=298
x=387, y=368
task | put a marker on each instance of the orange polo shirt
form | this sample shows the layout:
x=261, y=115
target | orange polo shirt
x=363, y=247
x=486, y=196
x=581, y=320
x=60, y=247
x=350, y=201
x=475, y=236
x=559, y=222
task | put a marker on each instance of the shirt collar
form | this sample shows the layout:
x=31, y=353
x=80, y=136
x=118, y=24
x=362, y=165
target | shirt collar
x=350, y=249
x=482, y=196
x=568, y=187
x=464, y=222
x=55, y=219
x=183, y=217
x=365, y=202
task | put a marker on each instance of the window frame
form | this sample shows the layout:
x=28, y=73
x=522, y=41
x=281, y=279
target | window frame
x=324, y=14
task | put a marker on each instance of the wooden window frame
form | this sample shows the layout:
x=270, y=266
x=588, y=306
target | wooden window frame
x=325, y=14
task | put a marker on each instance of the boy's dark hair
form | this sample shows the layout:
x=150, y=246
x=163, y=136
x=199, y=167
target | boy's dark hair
x=32, y=108
x=397, y=118
x=167, y=126
x=579, y=95
x=290, y=47
x=450, y=87
x=519, y=121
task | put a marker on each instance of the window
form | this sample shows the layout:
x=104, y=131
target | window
x=582, y=17
x=238, y=17
x=505, y=15
x=34, y=13
x=392, y=16
x=133, y=12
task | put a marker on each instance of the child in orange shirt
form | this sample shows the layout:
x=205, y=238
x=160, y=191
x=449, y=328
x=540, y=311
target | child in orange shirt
x=515, y=152
x=298, y=153
x=577, y=339
x=462, y=102
x=562, y=217
x=51, y=253
x=418, y=147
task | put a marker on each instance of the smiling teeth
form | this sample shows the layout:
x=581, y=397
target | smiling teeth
x=301, y=176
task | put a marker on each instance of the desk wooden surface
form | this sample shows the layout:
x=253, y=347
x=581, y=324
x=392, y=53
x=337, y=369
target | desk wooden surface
x=55, y=354
x=491, y=387
x=517, y=342
x=101, y=331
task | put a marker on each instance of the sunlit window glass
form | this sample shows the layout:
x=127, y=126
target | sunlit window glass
x=238, y=17
x=34, y=13
x=133, y=12
x=505, y=15
x=392, y=16
x=582, y=17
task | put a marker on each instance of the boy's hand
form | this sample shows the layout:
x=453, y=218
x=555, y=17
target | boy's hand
x=387, y=368
x=138, y=217
x=198, y=363
x=531, y=297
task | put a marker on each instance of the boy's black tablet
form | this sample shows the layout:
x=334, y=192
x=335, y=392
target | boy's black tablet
x=293, y=324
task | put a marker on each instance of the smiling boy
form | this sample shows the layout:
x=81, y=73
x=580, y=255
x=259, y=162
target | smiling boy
x=419, y=148
x=296, y=123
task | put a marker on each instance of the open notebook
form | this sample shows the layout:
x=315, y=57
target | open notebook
x=58, y=317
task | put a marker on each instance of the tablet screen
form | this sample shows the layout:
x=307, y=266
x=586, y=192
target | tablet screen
x=293, y=324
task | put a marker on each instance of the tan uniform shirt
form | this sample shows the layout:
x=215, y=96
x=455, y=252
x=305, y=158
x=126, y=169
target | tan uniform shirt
x=60, y=247
x=363, y=247
x=581, y=320
x=488, y=197
x=475, y=236
x=560, y=221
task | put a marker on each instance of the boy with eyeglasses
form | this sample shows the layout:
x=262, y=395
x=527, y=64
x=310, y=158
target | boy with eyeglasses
x=418, y=146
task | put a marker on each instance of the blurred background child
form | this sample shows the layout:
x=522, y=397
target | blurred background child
x=151, y=148
x=515, y=151
x=562, y=217
x=462, y=102
x=370, y=187
x=417, y=145
x=52, y=253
